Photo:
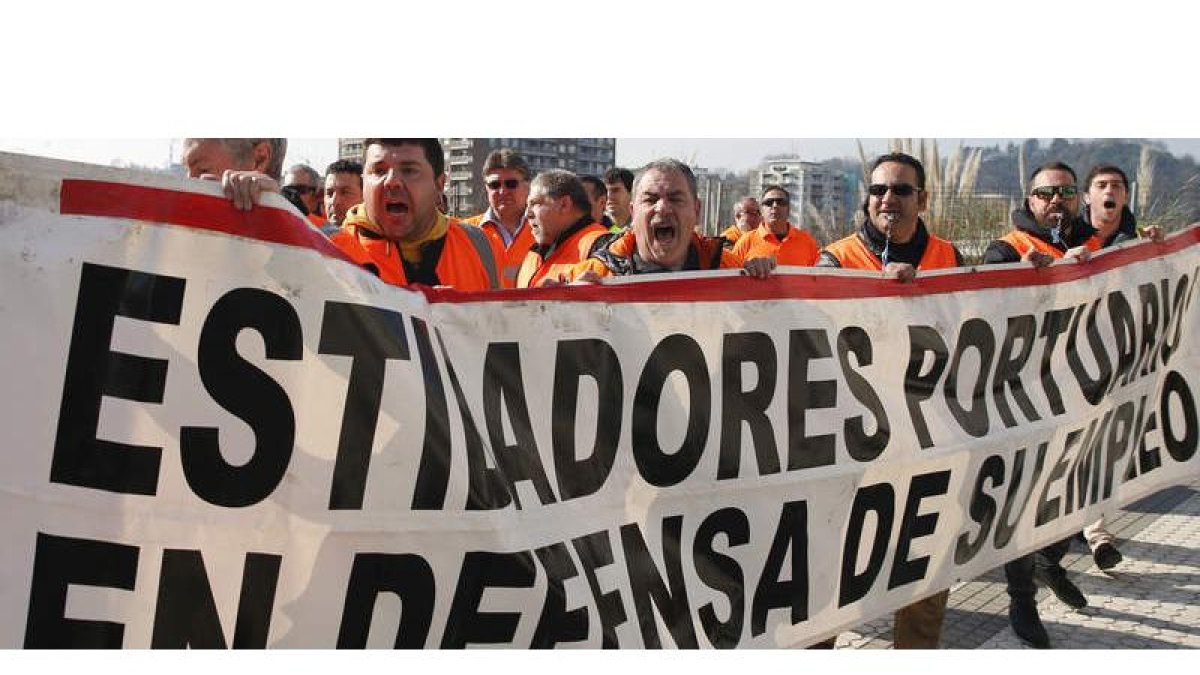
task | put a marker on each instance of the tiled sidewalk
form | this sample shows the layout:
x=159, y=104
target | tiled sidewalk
x=1149, y=601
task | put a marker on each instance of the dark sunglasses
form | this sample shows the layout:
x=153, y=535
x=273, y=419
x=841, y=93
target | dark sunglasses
x=510, y=183
x=900, y=189
x=303, y=189
x=1047, y=192
x=774, y=201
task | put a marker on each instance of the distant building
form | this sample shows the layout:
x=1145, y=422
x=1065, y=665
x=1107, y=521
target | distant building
x=818, y=193
x=465, y=194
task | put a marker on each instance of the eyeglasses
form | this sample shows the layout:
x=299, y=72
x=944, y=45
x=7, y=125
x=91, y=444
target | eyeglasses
x=899, y=189
x=510, y=183
x=775, y=201
x=1047, y=192
x=749, y=213
x=303, y=189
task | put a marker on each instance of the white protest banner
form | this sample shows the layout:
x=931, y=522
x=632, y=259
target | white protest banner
x=219, y=432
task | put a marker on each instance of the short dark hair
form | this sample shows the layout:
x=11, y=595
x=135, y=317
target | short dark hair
x=559, y=183
x=1053, y=166
x=506, y=158
x=597, y=185
x=901, y=158
x=619, y=175
x=667, y=164
x=431, y=146
x=780, y=188
x=1105, y=168
x=345, y=166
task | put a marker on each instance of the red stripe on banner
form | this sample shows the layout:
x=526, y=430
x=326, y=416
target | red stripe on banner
x=204, y=212
x=831, y=287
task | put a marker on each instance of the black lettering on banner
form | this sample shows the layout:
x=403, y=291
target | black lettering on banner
x=370, y=336
x=1093, y=389
x=517, y=461
x=862, y=446
x=1124, y=332
x=750, y=407
x=595, y=551
x=806, y=451
x=1085, y=468
x=977, y=334
x=1118, y=443
x=681, y=353
x=1181, y=448
x=647, y=587
x=556, y=623
x=1175, y=313
x=722, y=573
x=1148, y=458
x=1007, y=524
x=575, y=360
x=250, y=394
x=94, y=371
x=433, y=473
x=406, y=575
x=59, y=562
x=919, y=388
x=486, y=488
x=1050, y=509
x=1146, y=363
x=879, y=499
x=982, y=509
x=482, y=570
x=914, y=525
x=1054, y=325
x=1009, y=367
x=185, y=614
x=1137, y=438
x=791, y=536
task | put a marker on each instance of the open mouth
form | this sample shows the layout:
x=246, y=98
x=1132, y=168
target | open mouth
x=1110, y=204
x=663, y=235
x=396, y=208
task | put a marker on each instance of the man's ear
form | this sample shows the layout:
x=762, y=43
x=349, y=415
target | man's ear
x=440, y=182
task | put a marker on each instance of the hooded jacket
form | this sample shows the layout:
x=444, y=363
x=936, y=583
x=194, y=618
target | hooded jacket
x=1126, y=230
x=864, y=250
x=1027, y=235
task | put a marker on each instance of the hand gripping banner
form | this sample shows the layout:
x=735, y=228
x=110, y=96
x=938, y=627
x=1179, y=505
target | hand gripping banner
x=218, y=432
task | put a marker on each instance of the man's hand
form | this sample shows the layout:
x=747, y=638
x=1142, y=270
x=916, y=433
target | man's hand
x=1080, y=253
x=244, y=187
x=588, y=277
x=899, y=271
x=759, y=268
x=1038, y=258
x=1153, y=233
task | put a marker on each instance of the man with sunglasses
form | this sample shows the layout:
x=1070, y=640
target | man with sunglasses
x=747, y=215
x=893, y=238
x=776, y=237
x=1045, y=229
x=506, y=176
x=305, y=182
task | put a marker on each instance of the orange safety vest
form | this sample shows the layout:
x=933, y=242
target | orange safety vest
x=732, y=234
x=566, y=255
x=853, y=254
x=317, y=220
x=511, y=256
x=798, y=248
x=459, y=265
x=625, y=246
x=1023, y=243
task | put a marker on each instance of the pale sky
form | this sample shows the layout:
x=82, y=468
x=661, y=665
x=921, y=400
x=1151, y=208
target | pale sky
x=730, y=153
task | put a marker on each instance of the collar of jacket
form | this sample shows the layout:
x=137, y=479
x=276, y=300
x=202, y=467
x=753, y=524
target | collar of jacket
x=566, y=234
x=909, y=252
x=1074, y=233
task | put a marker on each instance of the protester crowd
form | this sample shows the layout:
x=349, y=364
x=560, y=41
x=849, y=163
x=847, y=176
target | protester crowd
x=388, y=215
